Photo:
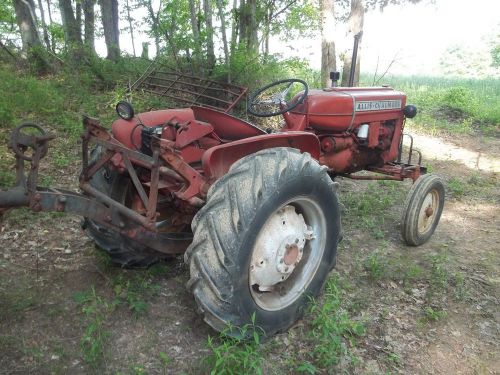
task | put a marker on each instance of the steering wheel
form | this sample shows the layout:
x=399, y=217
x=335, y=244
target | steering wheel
x=277, y=98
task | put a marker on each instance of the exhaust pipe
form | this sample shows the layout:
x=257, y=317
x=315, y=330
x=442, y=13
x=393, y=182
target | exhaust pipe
x=357, y=37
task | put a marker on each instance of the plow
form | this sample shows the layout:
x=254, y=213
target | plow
x=255, y=212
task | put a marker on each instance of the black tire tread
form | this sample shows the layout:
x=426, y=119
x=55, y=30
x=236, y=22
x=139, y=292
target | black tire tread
x=234, y=198
x=418, y=190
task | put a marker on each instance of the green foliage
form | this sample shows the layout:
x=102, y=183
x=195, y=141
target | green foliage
x=376, y=265
x=433, y=315
x=28, y=98
x=93, y=342
x=456, y=186
x=165, y=361
x=368, y=209
x=439, y=271
x=7, y=17
x=133, y=291
x=459, y=98
x=332, y=329
x=453, y=105
x=306, y=368
x=233, y=355
x=300, y=19
x=495, y=56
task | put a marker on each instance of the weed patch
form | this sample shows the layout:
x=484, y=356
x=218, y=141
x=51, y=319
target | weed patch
x=93, y=342
x=233, y=355
x=332, y=330
x=433, y=315
x=134, y=291
x=369, y=209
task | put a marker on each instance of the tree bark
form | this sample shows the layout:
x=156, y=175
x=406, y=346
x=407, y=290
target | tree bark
x=78, y=17
x=109, y=9
x=155, y=24
x=222, y=17
x=242, y=22
x=25, y=18
x=44, y=26
x=49, y=11
x=328, y=62
x=234, y=26
x=267, y=26
x=355, y=24
x=253, y=39
x=89, y=19
x=72, y=33
x=207, y=8
x=131, y=28
x=194, y=23
x=196, y=36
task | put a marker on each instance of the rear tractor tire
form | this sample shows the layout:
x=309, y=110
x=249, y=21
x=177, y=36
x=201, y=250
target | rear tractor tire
x=122, y=251
x=422, y=209
x=265, y=241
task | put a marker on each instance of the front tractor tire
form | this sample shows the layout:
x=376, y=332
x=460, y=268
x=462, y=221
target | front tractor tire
x=422, y=209
x=265, y=241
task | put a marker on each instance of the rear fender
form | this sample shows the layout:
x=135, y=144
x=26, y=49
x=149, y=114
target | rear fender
x=217, y=160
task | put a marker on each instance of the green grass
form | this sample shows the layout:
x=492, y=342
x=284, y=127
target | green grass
x=93, y=342
x=460, y=106
x=130, y=289
x=433, y=314
x=333, y=332
x=369, y=209
x=234, y=355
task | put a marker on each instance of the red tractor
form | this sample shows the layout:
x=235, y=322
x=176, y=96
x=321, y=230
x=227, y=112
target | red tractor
x=255, y=212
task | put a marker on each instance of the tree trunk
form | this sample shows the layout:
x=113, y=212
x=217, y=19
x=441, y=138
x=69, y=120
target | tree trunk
x=196, y=35
x=155, y=27
x=25, y=17
x=253, y=39
x=109, y=10
x=89, y=16
x=72, y=33
x=207, y=8
x=131, y=28
x=222, y=17
x=270, y=6
x=244, y=21
x=145, y=50
x=355, y=23
x=49, y=11
x=78, y=17
x=234, y=26
x=328, y=62
x=44, y=26
x=194, y=25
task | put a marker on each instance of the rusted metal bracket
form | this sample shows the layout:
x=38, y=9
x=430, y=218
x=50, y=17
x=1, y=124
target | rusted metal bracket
x=97, y=206
x=390, y=171
x=195, y=182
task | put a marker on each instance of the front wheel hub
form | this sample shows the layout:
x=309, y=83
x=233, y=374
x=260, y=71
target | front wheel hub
x=279, y=248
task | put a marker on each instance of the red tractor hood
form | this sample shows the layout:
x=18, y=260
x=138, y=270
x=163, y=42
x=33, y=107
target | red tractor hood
x=336, y=109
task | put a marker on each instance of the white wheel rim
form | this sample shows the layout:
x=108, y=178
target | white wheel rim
x=428, y=211
x=287, y=253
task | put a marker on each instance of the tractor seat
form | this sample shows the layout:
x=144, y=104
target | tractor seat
x=227, y=127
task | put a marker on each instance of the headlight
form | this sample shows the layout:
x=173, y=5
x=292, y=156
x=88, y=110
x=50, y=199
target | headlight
x=124, y=110
x=410, y=111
